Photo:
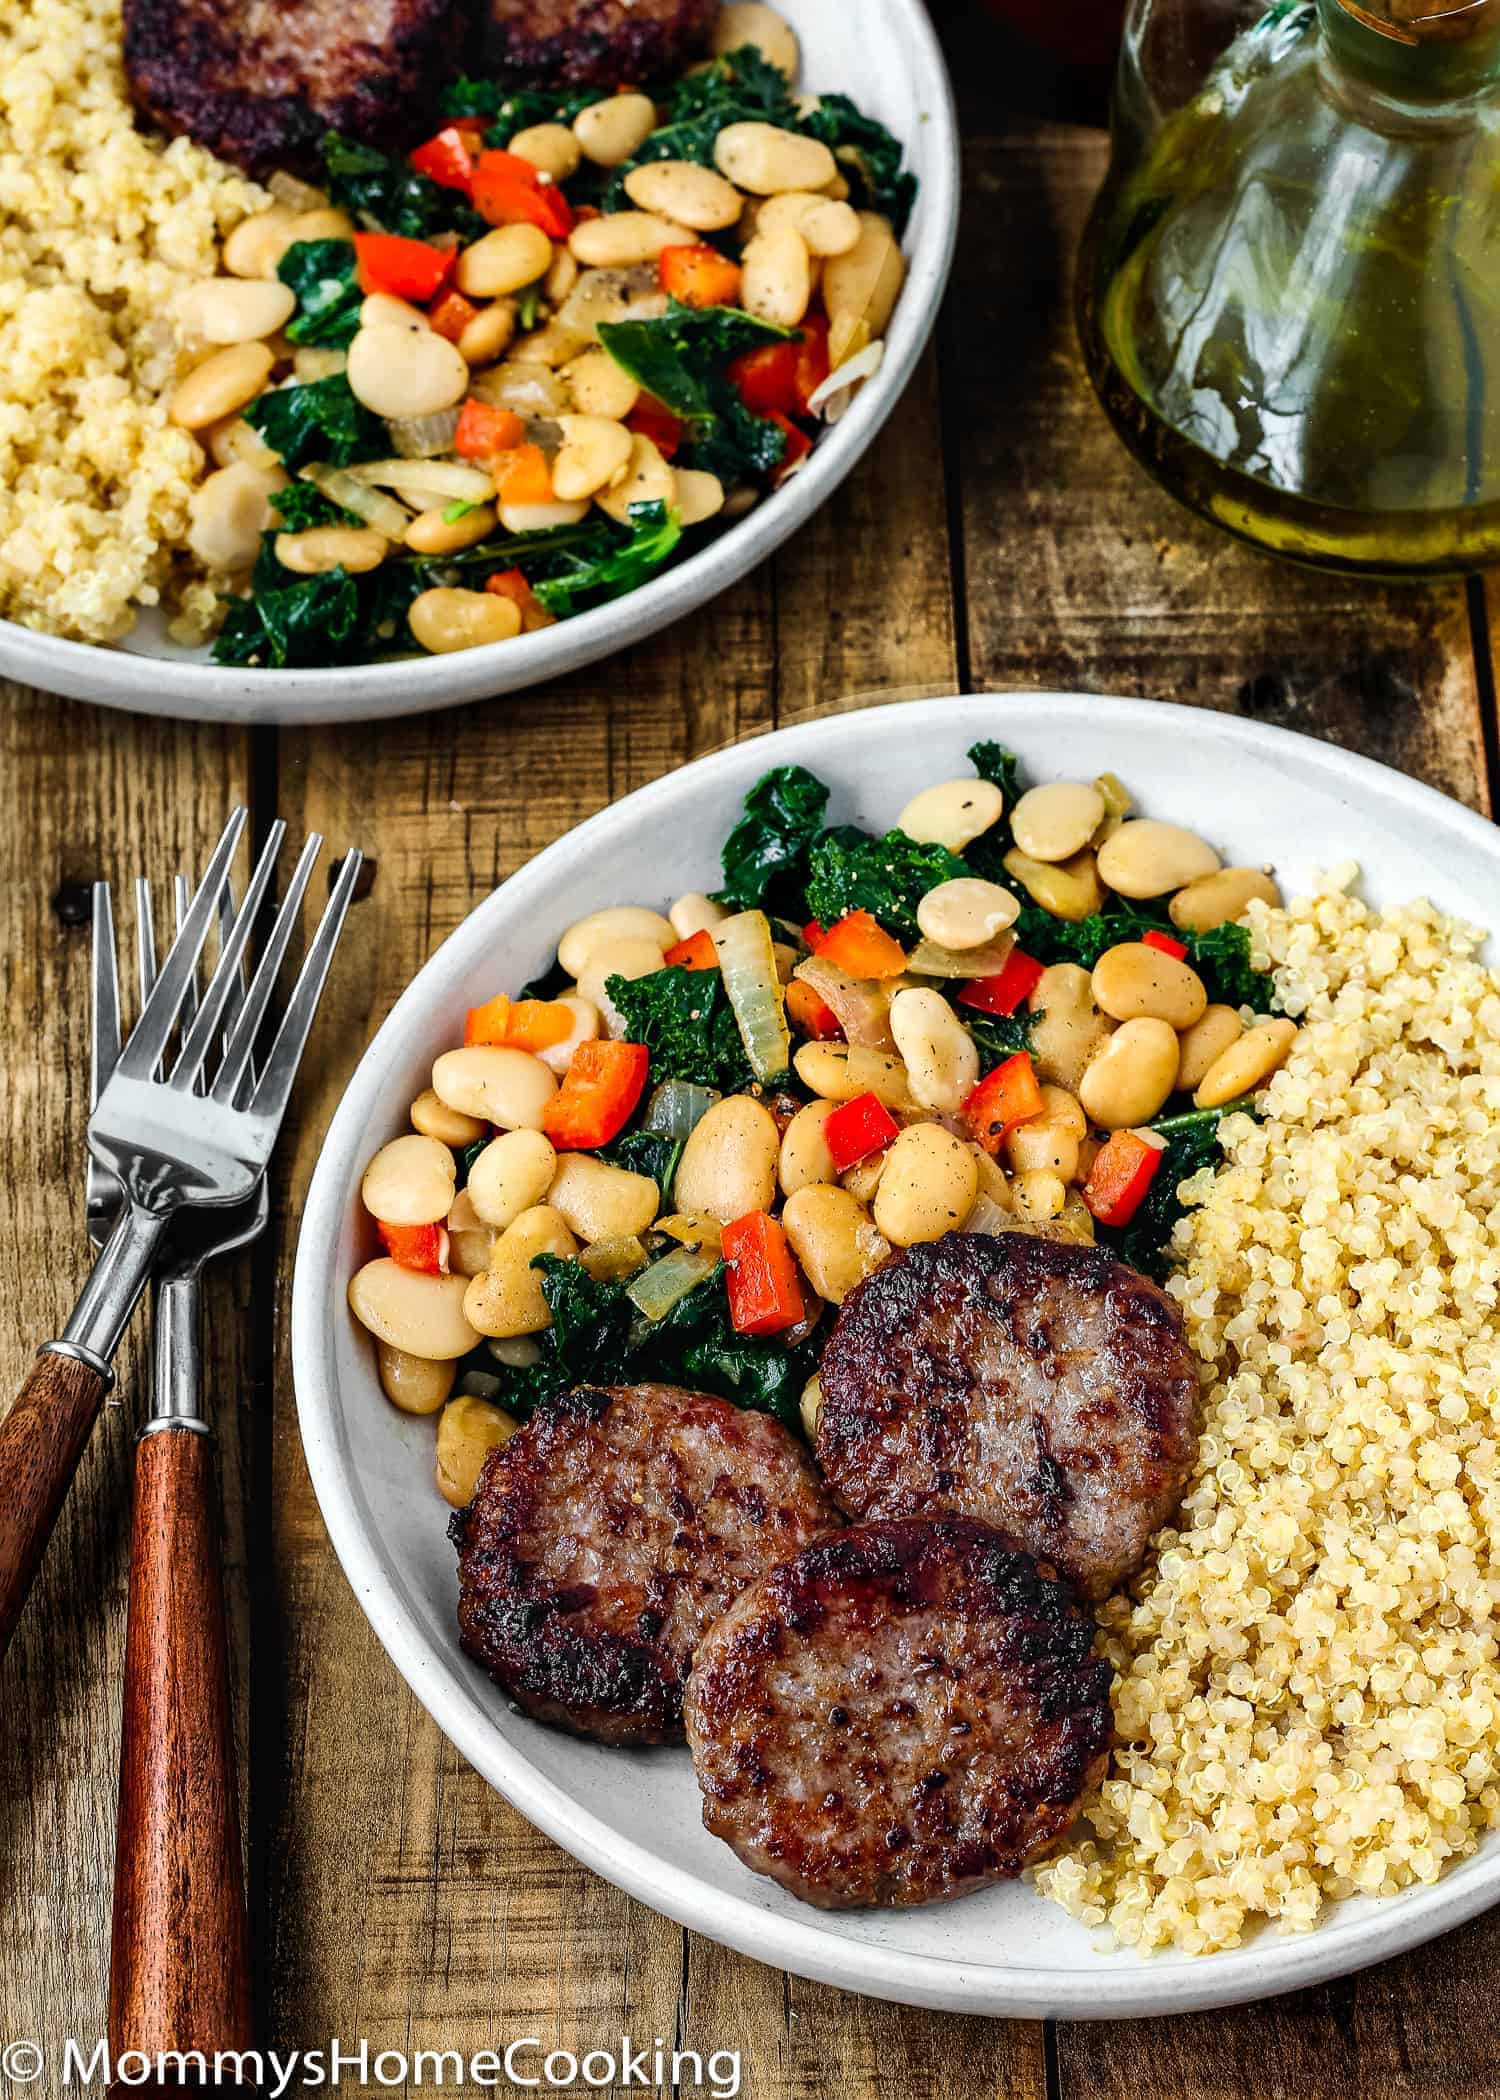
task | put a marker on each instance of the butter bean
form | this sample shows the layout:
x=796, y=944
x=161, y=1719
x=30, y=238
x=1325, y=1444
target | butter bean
x=1069, y=889
x=750, y=22
x=323, y=548
x=611, y=131
x=860, y=288
x=601, y=1201
x=686, y=193
x=401, y=373
x=507, y=1300
x=1246, y=1064
x=409, y=1182
x=445, y=619
x=805, y=1158
x=511, y=1175
x=942, y=1062
x=1226, y=894
x=1146, y=858
x=383, y=310
x=1039, y=1194
x=509, y=1088
x=469, y=1238
x=826, y=226
x=834, y=1238
x=700, y=495
x=595, y=452
x=632, y=956
x=621, y=238
x=551, y=147
x=1069, y=1028
x=776, y=277
x=1057, y=820
x=506, y=259
x=219, y=386
x=764, y=159
x=966, y=912
x=695, y=913
x=434, y=1119
x=953, y=813
x=257, y=244
x=234, y=440
x=811, y=1408
x=841, y=1072
x=601, y=929
x=228, y=512
x=599, y=387
x=420, y=1314
x=1130, y=1076
x=728, y=1165
x=433, y=532
x=489, y=333
x=1208, y=1038
x=1133, y=978
x=469, y=1429
x=928, y=1186
x=413, y=1383
x=648, y=479
x=234, y=309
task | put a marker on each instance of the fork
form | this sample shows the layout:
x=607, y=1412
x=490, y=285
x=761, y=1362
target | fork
x=179, y=1970
x=169, y=1147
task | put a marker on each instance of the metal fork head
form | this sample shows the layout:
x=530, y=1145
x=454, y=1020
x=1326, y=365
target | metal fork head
x=192, y=1136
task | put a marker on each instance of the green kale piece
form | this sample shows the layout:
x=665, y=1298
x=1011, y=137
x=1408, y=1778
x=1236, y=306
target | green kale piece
x=686, y=1022
x=765, y=857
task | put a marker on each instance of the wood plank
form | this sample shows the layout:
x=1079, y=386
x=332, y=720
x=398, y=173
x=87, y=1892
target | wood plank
x=1082, y=574
x=472, y=1924
x=89, y=793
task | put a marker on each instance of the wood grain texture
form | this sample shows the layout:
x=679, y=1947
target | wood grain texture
x=42, y=1439
x=179, y=1967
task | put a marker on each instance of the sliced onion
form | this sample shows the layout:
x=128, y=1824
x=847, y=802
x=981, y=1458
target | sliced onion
x=864, y=365
x=747, y=959
x=295, y=195
x=423, y=437
x=691, y=1228
x=612, y=1260
x=987, y=1217
x=381, y=511
x=861, y=1005
x=440, y=477
x=929, y=959
x=481, y=1385
x=677, y=1108
x=657, y=1289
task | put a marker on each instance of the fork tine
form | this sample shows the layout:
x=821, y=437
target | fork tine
x=181, y=899
x=274, y=1090
x=141, y=1055
x=199, y=1038
x=145, y=938
x=253, y=1011
x=104, y=1041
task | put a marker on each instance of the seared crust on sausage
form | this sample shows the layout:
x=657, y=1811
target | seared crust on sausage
x=595, y=43
x=259, y=81
x=905, y=1712
x=1041, y=1387
x=608, y=1535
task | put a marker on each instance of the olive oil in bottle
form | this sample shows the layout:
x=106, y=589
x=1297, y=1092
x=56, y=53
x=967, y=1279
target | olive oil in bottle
x=1289, y=295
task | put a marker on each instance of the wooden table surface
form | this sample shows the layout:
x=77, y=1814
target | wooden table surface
x=997, y=537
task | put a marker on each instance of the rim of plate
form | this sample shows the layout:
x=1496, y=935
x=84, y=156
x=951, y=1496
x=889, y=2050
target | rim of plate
x=1122, y=1985
x=114, y=675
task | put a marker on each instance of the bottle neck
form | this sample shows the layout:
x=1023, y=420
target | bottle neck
x=1409, y=59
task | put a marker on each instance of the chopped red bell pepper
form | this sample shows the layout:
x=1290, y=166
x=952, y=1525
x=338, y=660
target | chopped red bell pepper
x=1003, y=994
x=1165, y=942
x=798, y=444
x=519, y=1024
x=813, y=936
x=1007, y=1096
x=1123, y=1170
x=812, y=1014
x=483, y=432
x=598, y=1097
x=509, y=190
x=858, y=1128
x=812, y=363
x=511, y=583
x=765, y=1291
x=862, y=948
x=766, y=379
x=698, y=275
x=451, y=315
x=697, y=952
x=652, y=419
x=446, y=158
x=388, y=262
x=423, y=1247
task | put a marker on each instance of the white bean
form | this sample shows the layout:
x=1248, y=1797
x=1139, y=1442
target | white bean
x=257, y=244
x=325, y=222
x=860, y=289
x=469, y=1238
x=751, y=22
x=1069, y=1028
x=1048, y=1142
x=469, y=1429
x=805, y=1158
x=1207, y=1040
x=599, y=386
x=700, y=495
x=834, y=1239
x=510, y=1088
x=228, y=512
x=942, y=1062
x=1134, y=978
x=413, y=1383
x=541, y=517
x=446, y=618
x=952, y=814
x=1039, y=1194
x=601, y=1201
x=633, y=955
x=776, y=277
x=422, y=1314
x=434, y=1119
x=234, y=309
x=1146, y=858
x=1069, y=889
x=764, y=159
x=434, y=532
x=311, y=362
x=611, y=131
x=621, y=238
x=811, y=1408
x=825, y=226
x=506, y=259
x=1246, y=1064
x=686, y=193
x=507, y=1300
x=928, y=1186
x=1057, y=820
x=513, y=1173
x=648, y=479
x=323, y=548
x=695, y=913
x=1130, y=1076
x=1226, y=894
x=602, y=929
x=551, y=147
x=594, y=453
x=409, y=1182
x=234, y=440
x=383, y=310
x=966, y=912
x=488, y=334
x=558, y=1056
x=219, y=386
x=842, y=1071
x=728, y=1165
x=401, y=373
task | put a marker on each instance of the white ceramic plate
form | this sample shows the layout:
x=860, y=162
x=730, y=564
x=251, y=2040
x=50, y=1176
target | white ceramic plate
x=882, y=53
x=1262, y=795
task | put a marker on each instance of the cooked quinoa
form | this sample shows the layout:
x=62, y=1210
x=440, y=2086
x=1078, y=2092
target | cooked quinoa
x=99, y=229
x=1308, y=1697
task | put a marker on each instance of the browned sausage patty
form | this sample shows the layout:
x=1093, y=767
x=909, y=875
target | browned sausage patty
x=608, y=1534
x=595, y=43
x=1044, y=1388
x=904, y=1712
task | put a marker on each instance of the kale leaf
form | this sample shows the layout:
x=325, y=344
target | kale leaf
x=514, y=109
x=887, y=876
x=986, y=854
x=1193, y=1142
x=290, y=620
x=1222, y=959
x=649, y=1152
x=680, y=357
x=998, y=1036
x=569, y=580
x=320, y=420
x=765, y=856
x=300, y=507
x=687, y=1023
x=374, y=187
x=868, y=156
x=992, y=762
x=324, y=276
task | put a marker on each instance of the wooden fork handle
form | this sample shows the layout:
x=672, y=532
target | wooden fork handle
x=41, y=1442
x=179, y=1966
